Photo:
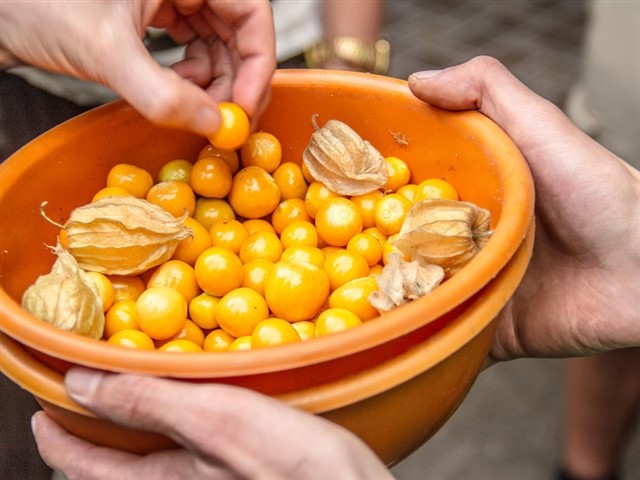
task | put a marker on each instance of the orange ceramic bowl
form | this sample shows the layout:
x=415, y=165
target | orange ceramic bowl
x=68, y=164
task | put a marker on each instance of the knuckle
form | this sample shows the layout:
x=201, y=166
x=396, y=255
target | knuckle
x=166, y=107
x=486, y=62
x=125, y=396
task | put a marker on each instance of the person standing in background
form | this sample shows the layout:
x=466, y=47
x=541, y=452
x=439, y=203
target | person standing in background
x=341, y=35
x=602, y=392
x=604, y=101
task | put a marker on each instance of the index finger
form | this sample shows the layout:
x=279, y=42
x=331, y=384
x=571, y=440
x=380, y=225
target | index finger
x=217, y=419
x=255, y=41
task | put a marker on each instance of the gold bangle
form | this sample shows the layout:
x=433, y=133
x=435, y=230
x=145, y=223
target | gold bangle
x=352, y=52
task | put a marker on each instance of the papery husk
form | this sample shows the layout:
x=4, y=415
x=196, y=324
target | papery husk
x=403, y=281
x=345, y=163
x=447, y=233
x=67, y=298
x=123, y=235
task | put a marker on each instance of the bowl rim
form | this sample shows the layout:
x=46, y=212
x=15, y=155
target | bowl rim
x=510, y=230
x=47, y=384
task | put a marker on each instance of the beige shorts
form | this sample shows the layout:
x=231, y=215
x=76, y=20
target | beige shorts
x=605, y=102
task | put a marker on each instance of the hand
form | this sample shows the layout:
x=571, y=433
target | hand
x=223, y=431
x=581, y=292
x=230, y=53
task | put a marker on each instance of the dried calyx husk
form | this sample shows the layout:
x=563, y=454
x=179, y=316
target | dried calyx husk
x=438, y=237
x=448, y=233
x=67, y=298
x=402, y=281
x=123, y=235
x=345, y=163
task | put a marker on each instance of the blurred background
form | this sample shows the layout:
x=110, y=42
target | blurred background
x=510, y=425
x=538, y=40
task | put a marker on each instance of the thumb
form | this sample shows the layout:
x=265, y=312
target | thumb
x=481, y=83
x=539, y=128
x=160, y=94
x=484, y=84
x=139, y=402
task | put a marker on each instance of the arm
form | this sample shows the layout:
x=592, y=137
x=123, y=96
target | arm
x=351, y=39
x=230, y=53
x=352, y=18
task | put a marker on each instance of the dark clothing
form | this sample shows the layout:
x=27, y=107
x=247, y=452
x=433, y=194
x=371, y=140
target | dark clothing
x=25, y=113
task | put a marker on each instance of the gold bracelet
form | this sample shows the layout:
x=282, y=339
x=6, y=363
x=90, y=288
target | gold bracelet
x=352, y=52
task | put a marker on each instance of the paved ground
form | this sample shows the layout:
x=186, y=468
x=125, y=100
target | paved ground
x=508, y=428
x=538, y=40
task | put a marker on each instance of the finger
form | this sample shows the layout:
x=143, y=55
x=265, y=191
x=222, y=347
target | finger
x=200, y=26
x=171, y=407
x=196, y=64
x=159, y=93
x=471, y=85
x=140, y=402
x=175, y=23
x=188, y=7
x=485, y=84
x=78, y=459
x=255, y=45
x=75, y=457
x=225, y=423
x=181, y=32
x=243, y=58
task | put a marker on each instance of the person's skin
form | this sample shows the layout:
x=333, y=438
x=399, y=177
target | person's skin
x=226, y=432
x=230, y=53
x=581, y=292
x=602, y=403
x=580, y=295
x=602, y=392
x=353, y=18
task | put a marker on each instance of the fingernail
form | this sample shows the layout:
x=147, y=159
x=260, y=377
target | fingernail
x=81, y=383
x=34, y=422
x=206, y=120
x=423, y=75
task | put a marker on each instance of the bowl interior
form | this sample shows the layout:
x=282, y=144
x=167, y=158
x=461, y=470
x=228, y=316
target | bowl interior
x=66, y=165
x=429, y=381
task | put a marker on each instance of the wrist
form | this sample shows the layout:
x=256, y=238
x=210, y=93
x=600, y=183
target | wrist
x=350, y=53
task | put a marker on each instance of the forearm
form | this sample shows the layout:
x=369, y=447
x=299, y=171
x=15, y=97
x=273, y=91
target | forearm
x=361, y=19
x=351, y=37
